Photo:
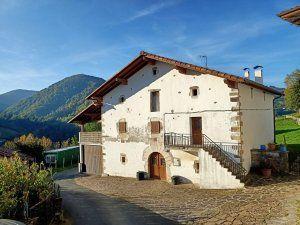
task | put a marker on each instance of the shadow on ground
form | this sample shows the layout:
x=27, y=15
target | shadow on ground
x=91, y=208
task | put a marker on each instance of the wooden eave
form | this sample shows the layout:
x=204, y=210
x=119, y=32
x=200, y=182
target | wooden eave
x=291, y=15
x=89, y=114
x=147, y=58
x=93, y=111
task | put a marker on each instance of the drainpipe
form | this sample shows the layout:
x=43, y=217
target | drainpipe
x=274, y=116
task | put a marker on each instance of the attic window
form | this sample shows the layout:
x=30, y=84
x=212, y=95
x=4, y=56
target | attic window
x=122, y=99
x=251, y=92
x=194, y=91
x=154, y=71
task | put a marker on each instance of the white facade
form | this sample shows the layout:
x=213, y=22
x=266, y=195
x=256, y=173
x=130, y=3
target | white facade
x=214, y=104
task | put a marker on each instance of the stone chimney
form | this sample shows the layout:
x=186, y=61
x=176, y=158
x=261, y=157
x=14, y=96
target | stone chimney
x=246, y=73
x=258, y=74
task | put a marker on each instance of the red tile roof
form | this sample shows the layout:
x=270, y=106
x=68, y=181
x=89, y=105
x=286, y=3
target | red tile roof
x=139, y=62
x=291, y=15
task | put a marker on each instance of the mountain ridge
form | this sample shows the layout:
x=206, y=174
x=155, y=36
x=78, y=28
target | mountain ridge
x=46, y=112
x=14, y=96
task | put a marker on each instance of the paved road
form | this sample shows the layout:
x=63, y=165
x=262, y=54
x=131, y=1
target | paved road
x=87, y=207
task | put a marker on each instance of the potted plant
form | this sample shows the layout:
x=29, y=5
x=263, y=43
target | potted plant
x=272, y=146
x=266, y=167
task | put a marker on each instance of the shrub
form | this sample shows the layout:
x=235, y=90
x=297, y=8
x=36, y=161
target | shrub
x=21, y=183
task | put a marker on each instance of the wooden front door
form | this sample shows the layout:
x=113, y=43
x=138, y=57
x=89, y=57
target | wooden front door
x=196, y=130
x=157, y=166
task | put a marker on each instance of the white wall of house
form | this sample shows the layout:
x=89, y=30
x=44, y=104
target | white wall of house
x=257, y=120
x=186, y=167
x=213, y=175
x=133, y=151
x=176, y=107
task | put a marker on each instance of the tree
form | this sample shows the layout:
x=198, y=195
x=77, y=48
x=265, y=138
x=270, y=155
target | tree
x=46, y=143
x=74, y=140
x=11, y=145
x=292, y=92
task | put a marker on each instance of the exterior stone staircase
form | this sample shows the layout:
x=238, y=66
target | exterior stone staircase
x=226, y=159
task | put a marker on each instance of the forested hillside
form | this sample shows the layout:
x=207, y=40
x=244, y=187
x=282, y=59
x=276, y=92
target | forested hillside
x=12, y=97
x=46, y=113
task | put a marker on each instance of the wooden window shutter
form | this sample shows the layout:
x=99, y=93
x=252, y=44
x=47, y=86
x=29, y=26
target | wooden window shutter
x=122, y=127
x=155, y=127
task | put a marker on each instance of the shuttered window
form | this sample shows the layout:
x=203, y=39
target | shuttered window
x=122, y=127
x=155, y=127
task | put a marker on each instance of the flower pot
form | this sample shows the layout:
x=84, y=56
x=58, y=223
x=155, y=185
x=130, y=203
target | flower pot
x=266, y=172
x=272, y=146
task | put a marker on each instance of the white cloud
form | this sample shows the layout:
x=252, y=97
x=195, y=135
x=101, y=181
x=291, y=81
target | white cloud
x=152, y=9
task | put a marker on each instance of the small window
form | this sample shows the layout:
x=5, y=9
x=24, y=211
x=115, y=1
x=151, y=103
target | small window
x=155, y=127
x=123, y=159
x=122, y=99
x=177, y=162
x=50, y=159
x=154, y=101
x=154, y=71
x=264, y=96
x=196, y=166
x=122, y=127
x=251, y=92
x=194, y=91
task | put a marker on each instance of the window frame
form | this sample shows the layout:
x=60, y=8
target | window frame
x=155, y=71
x=155, y=127
x=122, y=127
x=120, y=99
x=192, y=89
x=123, y=157
x=49, y=159
x=155, y=96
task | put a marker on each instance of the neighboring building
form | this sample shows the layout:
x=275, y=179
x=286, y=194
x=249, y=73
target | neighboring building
x=62, y=157
x=171, y=118
x=291, y=15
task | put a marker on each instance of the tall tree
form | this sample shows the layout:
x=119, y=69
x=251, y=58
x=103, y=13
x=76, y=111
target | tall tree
x=292, y=91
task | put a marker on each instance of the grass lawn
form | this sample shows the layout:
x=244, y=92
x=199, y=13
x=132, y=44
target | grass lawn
x=291, y=131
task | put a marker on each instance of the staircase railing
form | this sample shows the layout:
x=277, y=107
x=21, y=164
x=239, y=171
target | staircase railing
x=225, y=158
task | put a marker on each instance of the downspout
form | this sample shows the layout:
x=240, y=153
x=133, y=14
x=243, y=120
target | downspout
x=274, y=116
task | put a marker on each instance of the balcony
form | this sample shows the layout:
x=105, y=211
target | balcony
x=90, y=137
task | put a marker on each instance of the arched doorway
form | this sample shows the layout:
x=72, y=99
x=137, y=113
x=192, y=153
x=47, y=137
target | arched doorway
x=157, y=166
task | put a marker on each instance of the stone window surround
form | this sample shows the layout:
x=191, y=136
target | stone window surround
x=123, y=159
x=192, y=89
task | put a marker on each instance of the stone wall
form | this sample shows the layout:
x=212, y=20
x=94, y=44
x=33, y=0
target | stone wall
x=278, y=159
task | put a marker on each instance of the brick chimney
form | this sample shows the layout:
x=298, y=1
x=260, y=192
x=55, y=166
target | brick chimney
x=258, y=74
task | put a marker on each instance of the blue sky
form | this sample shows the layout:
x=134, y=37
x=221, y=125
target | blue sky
x=41, y=42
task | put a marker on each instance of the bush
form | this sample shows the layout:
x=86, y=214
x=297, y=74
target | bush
x=21, y=183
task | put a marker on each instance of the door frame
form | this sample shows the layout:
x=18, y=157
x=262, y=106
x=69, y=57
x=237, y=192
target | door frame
x=162, y=170
x=191, y=128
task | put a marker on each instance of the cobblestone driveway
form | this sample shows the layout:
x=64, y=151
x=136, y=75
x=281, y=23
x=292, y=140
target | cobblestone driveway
x=270, y=201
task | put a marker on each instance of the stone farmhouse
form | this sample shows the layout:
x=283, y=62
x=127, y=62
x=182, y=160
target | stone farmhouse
x=170, y=118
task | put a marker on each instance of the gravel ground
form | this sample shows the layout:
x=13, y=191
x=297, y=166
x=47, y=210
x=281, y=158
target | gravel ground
x=265, y=201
